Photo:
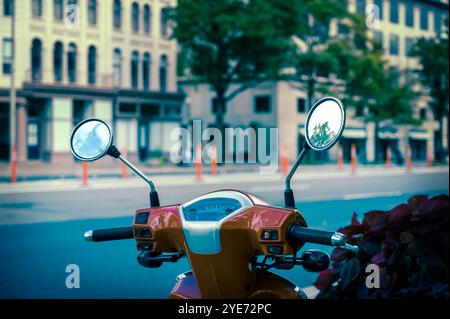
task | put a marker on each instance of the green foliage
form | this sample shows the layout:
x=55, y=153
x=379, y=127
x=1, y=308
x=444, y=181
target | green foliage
x=434, y=71
x=433, y=57
x=230, y=40
x=322, y=135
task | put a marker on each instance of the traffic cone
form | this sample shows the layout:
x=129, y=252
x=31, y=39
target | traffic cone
x=388, y=157
x=284, y=160
x=213, y=160
x=13, y=165
x=353, y=160
x=198, y=164
x=85, y=173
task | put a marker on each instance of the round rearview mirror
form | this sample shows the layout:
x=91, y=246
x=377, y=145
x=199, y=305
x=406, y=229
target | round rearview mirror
x=90, y=140
x=325, y=123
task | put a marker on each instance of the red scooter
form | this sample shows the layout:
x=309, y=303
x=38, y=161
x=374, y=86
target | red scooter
x=223, y=233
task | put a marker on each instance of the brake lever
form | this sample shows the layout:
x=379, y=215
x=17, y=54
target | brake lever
x=340, y=240
x=352, y=248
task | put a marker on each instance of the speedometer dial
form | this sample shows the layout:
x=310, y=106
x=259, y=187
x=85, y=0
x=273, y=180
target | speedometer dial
x=211, y=209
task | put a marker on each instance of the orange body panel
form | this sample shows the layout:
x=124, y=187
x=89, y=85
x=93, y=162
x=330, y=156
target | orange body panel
x=227, y=274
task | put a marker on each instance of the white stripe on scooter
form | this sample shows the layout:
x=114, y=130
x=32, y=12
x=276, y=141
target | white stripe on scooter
x=370, y=195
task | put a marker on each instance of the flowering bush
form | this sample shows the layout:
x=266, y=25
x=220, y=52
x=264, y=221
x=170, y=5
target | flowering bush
x=410, y=245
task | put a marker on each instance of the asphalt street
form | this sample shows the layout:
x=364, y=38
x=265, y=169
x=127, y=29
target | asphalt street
x=41, y=227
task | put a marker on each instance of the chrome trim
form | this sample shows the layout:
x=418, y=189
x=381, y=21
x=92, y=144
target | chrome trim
x=203, y=237
x=183, y=275
x=338, y=239
x=88, y=235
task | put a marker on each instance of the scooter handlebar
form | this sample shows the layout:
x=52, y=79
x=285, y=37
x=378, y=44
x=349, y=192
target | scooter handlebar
x=297, y=233
x=107, y=234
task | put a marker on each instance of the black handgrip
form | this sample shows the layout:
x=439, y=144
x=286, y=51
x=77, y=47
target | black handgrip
x=298, y=233
x=109, y=234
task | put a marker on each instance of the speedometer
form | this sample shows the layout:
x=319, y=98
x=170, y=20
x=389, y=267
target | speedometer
x=211, y=209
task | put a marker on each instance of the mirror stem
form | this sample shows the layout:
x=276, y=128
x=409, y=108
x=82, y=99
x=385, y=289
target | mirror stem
x=289, y=201
x=154, y=198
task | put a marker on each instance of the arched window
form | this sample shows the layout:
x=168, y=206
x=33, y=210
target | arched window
x=58, y=9
x=117, y=66
x=146, y=71
x=117, y=14
x=58, y=61
x=36, y=60
x=163, y=73
x=134, y=69
x=147, y=18
x=164, y=22
x=72, y=63
x=92, y=57
x=135, y=17
x=36, y=8
x=92, y=12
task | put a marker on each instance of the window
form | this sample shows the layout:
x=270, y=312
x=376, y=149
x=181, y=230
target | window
x=58, y=61
x=117, y=14
x=135, y=17
x=72, y=63
x=379, y=4
x=409, y=46
x=424, y=18
x=164, y=22
x=92, y=12
x=394, y=11
x=7, y=55
x=262, y=104
x=8, y=7
x=378, y=40
x=134, y=69
x=117, y=67
x=163, y=73
x=409, y=19
x=147, y=18
x=393, y=44
x=437, y=21
x=36, y=60
x=58, y=9
x=128, y=108
x=423, y=114
x=92, y=59
x=361, y=6
x=146, y=71
x=36, y=8
x=301, y=105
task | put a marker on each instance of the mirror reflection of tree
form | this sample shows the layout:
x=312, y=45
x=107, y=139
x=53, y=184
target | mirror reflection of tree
x=322, y=135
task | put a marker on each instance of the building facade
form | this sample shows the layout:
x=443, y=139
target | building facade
x=281, y=104
x=74, y=59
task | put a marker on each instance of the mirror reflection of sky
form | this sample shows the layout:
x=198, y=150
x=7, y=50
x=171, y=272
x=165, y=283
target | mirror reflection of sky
x=91, y=139
x=327, y=112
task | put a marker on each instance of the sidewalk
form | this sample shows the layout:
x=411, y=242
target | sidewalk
x=41, y=171
x=169, y=177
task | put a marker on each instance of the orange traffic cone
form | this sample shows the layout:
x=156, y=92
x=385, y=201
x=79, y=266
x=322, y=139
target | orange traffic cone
x=353, y=160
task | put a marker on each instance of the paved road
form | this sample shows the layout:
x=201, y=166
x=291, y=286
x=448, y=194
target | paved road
x=41, y=228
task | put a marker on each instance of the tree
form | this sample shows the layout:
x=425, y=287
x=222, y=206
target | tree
x=313, y=60
x=349, y=64
x=433, y=58
x=233, y=41
x=379, y=93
